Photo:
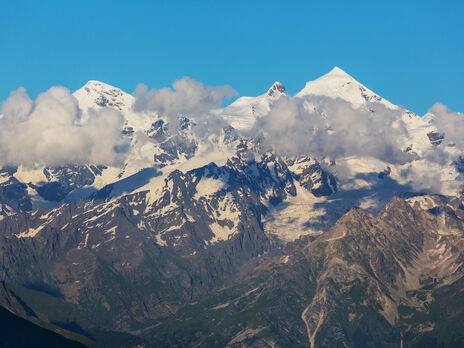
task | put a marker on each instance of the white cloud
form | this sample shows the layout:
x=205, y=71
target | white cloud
x=448, y=122
x=17, y=106
x=48, y=131
x=332, y=128
x=187, y=96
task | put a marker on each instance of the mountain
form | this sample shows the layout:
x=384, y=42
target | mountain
x=338, y=84
x=242, y=113
x=153, y=142
x=96, y=94
x=388, y=280
x=328, y=218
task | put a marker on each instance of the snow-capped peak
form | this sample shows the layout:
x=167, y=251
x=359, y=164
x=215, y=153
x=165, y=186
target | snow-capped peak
x=337, y=84
x=99, y=94
x=98, y=85
x=336, y=71
x=243, y=112
x=276, y=90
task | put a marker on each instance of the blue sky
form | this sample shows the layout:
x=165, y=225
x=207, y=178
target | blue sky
x=410, y=52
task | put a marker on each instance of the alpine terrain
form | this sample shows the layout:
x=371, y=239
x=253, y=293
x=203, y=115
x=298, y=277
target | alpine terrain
x=330, y=218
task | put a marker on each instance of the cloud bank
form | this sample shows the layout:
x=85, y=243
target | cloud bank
x=49, y=131
x=333, y=129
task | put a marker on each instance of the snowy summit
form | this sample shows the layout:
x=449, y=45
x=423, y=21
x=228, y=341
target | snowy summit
x=338, y=84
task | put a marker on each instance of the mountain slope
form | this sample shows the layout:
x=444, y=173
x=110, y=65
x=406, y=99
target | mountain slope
x=18, y=332
x=368, y=281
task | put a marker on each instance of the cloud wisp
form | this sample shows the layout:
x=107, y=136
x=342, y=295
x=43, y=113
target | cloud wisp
x=49, y=131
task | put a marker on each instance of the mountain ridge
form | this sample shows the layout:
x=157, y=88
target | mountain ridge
x=326, y=218
x=158, y=146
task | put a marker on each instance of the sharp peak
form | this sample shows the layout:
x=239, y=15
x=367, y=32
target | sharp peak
x=102, y=94
x=276, y=89
x=337, y=72
x=95, y=87
x=335, y=77
x=337, y=84
x=99, y=84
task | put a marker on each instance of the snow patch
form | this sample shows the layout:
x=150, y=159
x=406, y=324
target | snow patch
x=48, y=218
x=208, y=187
x=220, y=232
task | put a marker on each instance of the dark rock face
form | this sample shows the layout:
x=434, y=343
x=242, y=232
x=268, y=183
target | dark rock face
x=13, y=194
x=379, y=276
x=175, y=147
x=369, y=98
x=64, y=179
x=459, y=164
x=177, y=247
x=270, y=177
x=368, y=281
x=313, y=177
x=103, y=256
x=173, y=144
x=153, y=264
x=384, y=173
x=158, y=131
x=276, y=90
x=230, y=135
x=435, y=138
x=318, y=181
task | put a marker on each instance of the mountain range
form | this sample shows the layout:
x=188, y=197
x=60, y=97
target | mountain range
x=328, y=218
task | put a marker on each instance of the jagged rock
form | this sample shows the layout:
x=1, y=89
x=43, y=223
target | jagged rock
x=64, y=179
x=14, y=197
x=384, y=173
x=181, y=145
x=320, y=182
x=435, y=138
x=276, y=90
x=368, y=281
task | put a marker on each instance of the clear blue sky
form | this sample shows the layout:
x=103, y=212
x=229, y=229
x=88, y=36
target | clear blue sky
x=410, y=52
